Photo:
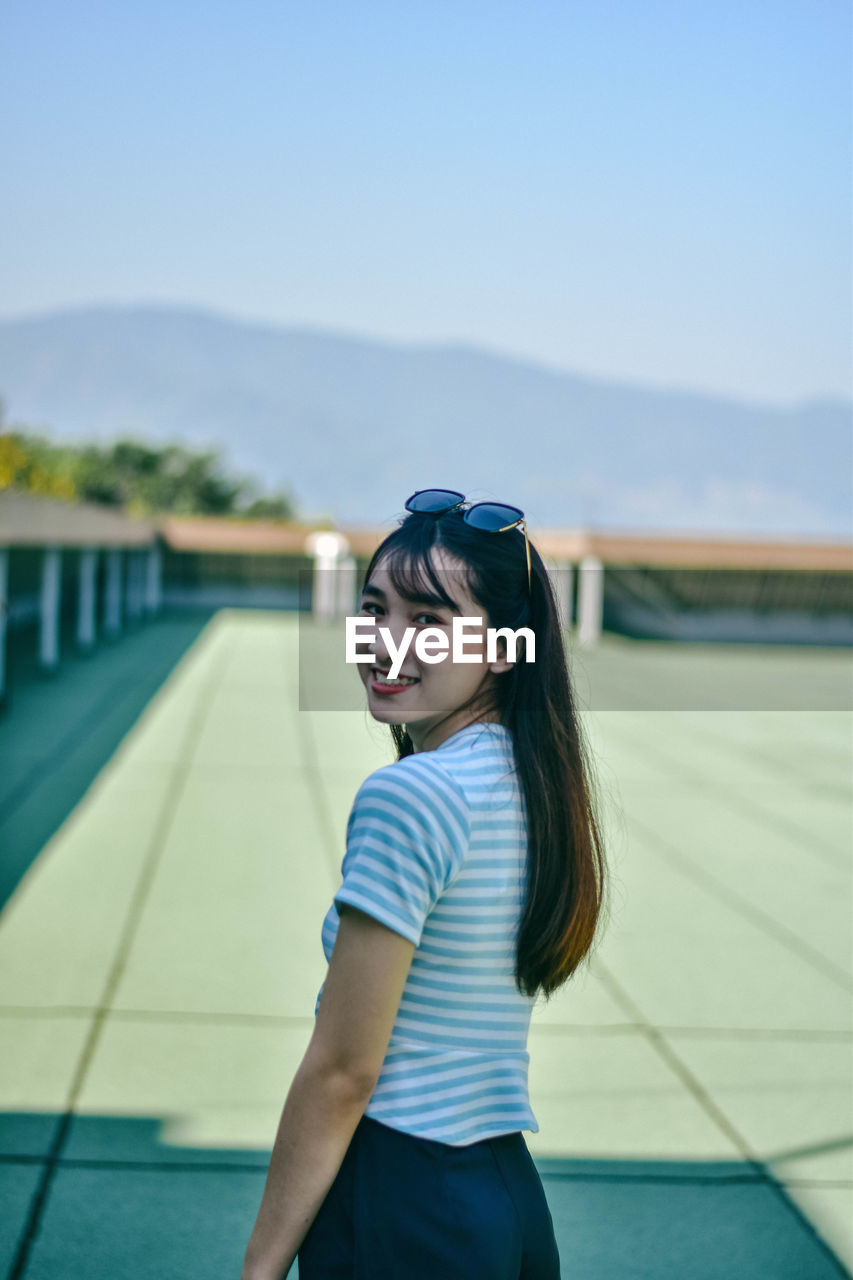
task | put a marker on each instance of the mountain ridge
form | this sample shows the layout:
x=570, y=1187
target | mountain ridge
x=567, y=447
x=403, y=345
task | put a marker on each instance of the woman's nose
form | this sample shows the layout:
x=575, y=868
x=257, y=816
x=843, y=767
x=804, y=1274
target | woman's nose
x=383, y=652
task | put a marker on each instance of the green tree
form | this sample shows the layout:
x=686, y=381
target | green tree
x=140, y=478
x=29, y=462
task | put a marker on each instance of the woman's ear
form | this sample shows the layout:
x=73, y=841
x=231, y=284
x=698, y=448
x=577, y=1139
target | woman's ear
x=502, y=663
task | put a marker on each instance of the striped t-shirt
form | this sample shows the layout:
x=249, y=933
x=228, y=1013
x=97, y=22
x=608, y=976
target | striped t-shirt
x=436, y=849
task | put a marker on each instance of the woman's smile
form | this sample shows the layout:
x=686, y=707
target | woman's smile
x=380, y=683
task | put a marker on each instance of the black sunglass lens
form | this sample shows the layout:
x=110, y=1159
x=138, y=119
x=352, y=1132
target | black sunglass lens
x=434, y=500
x=492, y=516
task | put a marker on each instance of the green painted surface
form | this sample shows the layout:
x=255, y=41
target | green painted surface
x=170, y=842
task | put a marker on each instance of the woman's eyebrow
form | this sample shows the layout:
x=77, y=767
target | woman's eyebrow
x=435, y=601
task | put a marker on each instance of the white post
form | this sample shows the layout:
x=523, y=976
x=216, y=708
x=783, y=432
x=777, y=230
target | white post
x=153, y=580
x=51, y=578
x=561, y=573
x=129, y=585
x=141, y=558
x=86, y=604
x=133, y=603
x=112, y=593
x=326, y=547
x=590, y=600
x=4, y=609
x=346, y=583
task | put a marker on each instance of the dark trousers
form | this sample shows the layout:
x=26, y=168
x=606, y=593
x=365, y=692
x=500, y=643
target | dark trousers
x=405, y=1208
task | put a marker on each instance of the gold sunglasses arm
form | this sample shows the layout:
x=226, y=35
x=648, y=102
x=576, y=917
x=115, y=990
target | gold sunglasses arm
x=515, y=525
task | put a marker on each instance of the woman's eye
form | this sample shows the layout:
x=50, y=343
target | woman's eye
x=431, y=619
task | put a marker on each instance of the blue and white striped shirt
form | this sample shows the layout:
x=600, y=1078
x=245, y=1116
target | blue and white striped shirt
x=436, y=849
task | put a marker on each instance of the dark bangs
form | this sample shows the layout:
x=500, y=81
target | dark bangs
x=405, y=554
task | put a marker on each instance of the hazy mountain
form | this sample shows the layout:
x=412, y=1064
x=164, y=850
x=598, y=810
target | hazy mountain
x=352, y=426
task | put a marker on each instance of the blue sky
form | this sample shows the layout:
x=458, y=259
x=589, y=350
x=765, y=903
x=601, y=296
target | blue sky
x=652, y=190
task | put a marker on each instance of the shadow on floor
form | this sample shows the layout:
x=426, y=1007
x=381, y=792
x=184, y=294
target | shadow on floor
x=107, y=1198
x=58, y=731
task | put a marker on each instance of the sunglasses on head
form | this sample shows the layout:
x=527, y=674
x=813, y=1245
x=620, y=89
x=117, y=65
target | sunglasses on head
x=492, y=517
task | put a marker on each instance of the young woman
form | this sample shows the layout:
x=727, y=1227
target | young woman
x=473, y=882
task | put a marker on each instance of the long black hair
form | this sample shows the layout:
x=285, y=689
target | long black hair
x=566, y=868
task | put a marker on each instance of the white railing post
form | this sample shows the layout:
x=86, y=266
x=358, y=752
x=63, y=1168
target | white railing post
x=346, y=580
x=51, y=580
x=153, y=580
x=590, y=600
x=86, y=601
x=327, y=548
x=112, y=593
x=133, y=600
x=561, y=573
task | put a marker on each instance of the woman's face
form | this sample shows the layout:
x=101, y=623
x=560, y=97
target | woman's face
x=431, y=708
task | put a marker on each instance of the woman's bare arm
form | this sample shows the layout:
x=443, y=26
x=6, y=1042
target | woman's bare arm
x=332, y=1087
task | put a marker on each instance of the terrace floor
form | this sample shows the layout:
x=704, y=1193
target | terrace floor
x=171, y=831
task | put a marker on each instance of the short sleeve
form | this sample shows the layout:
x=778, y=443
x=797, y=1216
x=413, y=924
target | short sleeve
x=407, y=836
